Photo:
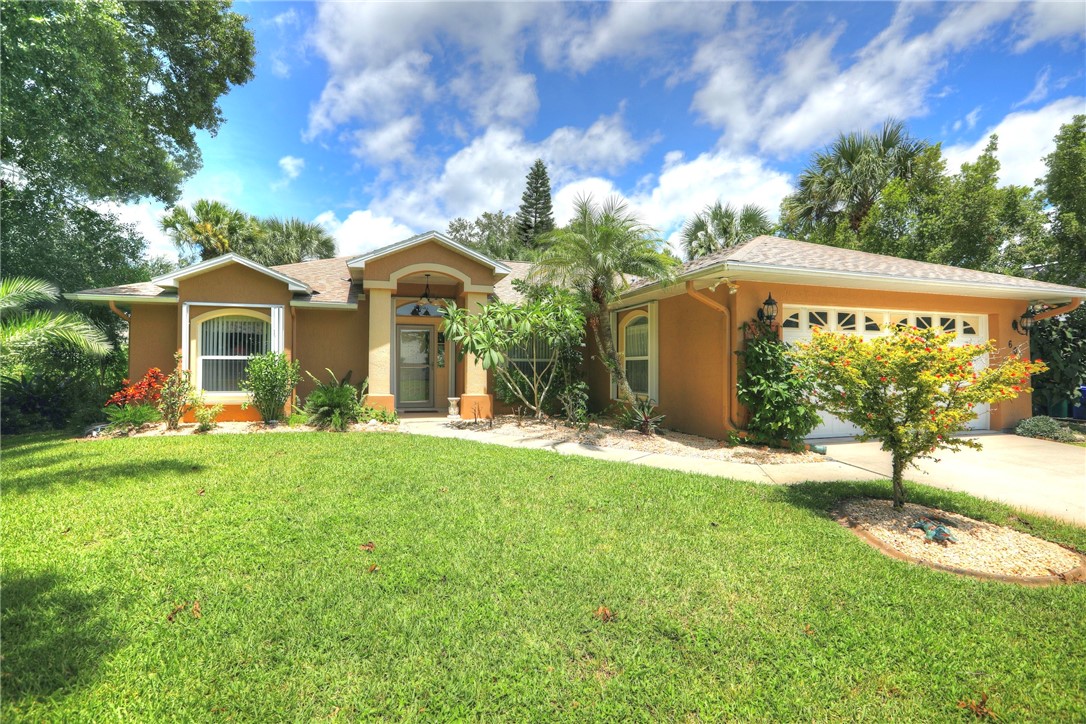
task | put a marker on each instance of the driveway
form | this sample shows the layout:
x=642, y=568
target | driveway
x=1038, y=475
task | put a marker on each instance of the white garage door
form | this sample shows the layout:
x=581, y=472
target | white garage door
x=799, y=322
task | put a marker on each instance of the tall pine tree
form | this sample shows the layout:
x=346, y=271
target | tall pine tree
x=535, y=216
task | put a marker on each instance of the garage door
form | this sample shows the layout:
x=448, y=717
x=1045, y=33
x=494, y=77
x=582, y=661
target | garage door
x=799, y=324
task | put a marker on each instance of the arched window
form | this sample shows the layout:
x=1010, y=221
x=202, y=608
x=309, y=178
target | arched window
x=635, y=353
x=226, y=341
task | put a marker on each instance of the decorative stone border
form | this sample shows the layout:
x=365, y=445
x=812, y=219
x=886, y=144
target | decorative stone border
x=1075, y=575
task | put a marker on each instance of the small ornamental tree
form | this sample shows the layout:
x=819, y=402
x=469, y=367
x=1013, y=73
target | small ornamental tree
x=911, y=389
x=175, y=396
x=526, y=345
x=270, y=380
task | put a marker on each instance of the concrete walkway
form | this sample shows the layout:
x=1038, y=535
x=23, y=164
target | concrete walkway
x=1038, y=475
x=1046, y=477
x=771, y=474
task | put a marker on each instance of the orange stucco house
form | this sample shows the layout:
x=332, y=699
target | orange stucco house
x=677, y=341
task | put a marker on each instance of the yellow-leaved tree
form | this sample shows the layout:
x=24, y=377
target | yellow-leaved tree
x=912, y=389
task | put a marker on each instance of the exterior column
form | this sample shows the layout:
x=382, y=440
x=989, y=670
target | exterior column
x=476, y=402
x=380, y=354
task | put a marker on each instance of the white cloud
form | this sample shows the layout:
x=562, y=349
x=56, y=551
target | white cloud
x=969, y=122
x=286, y=25
x=379, y=57
x=488, y=173
x=291, y=166
x=811, y=96
x=362, y=230
x=394, y=141
x=1040, y=89
x=1047, y=20
x=1025, y=138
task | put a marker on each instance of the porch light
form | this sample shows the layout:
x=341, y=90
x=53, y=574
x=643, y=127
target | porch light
x=768, y=312
x=1023, y=324
x=422, y=306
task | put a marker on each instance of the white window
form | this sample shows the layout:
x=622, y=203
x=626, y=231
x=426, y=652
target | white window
x=225, y=345
x=533, y=355
x=635, y=349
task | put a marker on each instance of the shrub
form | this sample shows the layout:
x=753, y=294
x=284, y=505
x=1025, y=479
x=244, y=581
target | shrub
x=297, y=418
x=270, y=379
x=126, y=418
x=573, y=397
x=175, y=395
x=335, y=404
x=776, y=397
x=912, y=389
x=387, y=417
x=206, y=415
x=1044, y=428
x=641, y=416
x=146, y=390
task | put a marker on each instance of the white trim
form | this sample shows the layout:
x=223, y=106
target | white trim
x=324, y=305
x=185, y=332
x=170, y=280
x=121, y=298
x=651, y=311
x=654, y=351
x=614, y=340
x=190, y=339
x=258, y=305
x=359, y=262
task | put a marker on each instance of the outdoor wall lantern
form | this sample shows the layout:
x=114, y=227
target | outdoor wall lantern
x=768, y=312
x=1023, y=324
x=422, y=306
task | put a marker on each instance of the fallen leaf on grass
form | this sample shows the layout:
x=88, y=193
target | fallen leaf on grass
x=175, y=611
x=604, y=614
x=374, y=568
x=443, y=489
x=979, y=708
x=200, y=491
x=66, y=531
x=808, y=630
x=367, y=547
x=196, y=613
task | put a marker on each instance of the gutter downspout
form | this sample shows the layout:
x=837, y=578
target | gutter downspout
x=730, y=378
x=119, y=312
x=1055, y=311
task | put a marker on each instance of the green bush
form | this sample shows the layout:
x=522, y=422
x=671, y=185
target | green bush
x=206, y=415
x=336, y=404
x=1044, y=428
x=775, y=396
x=368, y=413
x=128, y=418
x=641, y=416
x=270, y=380
x=175, y=397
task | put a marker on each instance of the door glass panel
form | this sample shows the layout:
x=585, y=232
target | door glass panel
x=413, y=382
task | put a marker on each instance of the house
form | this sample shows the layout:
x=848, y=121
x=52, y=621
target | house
x=377, y=315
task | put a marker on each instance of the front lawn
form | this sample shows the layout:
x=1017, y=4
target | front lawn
x=730, y=601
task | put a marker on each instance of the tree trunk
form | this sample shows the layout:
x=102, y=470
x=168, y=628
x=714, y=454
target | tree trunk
x=606, y=341
x=899, y=485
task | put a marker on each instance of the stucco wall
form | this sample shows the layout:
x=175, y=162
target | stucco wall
x=152, y=331
x=334, y=339
x=430, y=254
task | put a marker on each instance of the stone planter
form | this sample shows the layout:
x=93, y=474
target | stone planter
x=454, y=408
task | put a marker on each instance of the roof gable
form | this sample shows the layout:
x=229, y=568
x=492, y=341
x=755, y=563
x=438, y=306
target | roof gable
x=170, y=280
x=437, y=237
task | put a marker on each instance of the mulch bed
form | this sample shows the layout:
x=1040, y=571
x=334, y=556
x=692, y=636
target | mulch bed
x=982, y=549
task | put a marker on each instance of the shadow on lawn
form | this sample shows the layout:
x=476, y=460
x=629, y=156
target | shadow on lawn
x=44, y=475
x=54, y=638
x=820, y=498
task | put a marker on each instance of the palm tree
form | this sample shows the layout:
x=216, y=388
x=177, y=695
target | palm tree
x=722, y=227
x=595, y=255
x=289, y=241
x=844, y=181
x=211, y=229
x=21, y=328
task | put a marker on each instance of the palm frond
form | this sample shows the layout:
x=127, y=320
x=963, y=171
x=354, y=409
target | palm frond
x=20, y=292
x=62, y=328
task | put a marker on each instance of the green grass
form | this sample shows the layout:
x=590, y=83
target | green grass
x=732, y=601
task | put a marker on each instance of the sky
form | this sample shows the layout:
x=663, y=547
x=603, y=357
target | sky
x=387, y=119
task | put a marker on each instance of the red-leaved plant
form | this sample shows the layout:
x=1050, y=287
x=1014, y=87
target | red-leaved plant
x=146, y=391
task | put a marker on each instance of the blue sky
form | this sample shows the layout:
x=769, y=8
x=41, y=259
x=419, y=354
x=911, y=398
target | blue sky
x=382, y=120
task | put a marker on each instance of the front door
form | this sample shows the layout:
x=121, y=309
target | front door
x=415, y=367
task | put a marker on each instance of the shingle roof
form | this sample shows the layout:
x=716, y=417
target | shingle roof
x=330, y=279
x=789, y=254
x=504, y=289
